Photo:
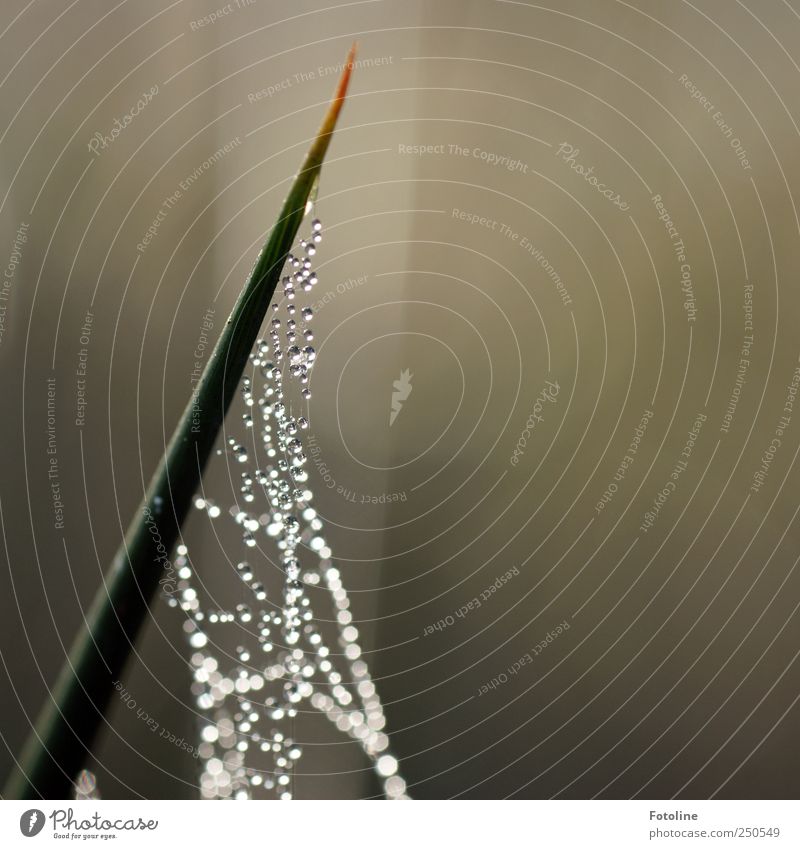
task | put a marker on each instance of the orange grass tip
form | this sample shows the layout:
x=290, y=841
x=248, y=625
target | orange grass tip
x=349, y=64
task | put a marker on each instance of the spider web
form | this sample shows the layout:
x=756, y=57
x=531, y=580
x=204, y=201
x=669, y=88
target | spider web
x=287, y=657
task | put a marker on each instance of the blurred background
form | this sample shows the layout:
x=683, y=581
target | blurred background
x=569, y=233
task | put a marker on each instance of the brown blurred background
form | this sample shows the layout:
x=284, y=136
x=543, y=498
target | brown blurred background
x=466, y=241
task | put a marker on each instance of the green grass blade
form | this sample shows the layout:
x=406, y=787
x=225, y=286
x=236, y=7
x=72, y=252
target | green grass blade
x=60, y=742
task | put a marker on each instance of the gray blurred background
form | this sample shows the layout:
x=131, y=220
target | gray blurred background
x=464, y=244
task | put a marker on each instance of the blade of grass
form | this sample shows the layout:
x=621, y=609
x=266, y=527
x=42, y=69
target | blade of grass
x=60, y=742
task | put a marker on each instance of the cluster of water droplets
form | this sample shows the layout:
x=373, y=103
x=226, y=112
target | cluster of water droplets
x=286, y=659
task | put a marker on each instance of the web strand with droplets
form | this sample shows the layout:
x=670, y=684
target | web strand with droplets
x=286, y=659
